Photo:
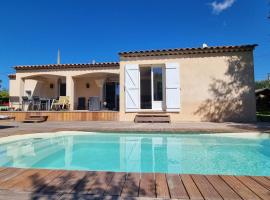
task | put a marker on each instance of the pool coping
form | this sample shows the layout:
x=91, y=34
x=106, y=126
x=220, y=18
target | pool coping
x=11, y=138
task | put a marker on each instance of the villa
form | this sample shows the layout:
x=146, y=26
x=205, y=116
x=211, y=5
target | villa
x=126, y=160
x=186, y=84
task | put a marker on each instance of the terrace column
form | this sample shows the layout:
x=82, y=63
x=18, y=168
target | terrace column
x=70, y=91
x=100, y=84
x=21, y=88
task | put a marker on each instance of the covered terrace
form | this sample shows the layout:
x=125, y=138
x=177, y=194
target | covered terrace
x=81, y=84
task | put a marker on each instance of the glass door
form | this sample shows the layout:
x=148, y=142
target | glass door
x=146, y=87
x=151, y=88
x=157, y=88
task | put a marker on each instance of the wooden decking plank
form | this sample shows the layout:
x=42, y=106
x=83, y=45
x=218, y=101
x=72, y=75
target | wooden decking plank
x=176, y=187
x=147, y=185
x=57, y=184
x=86, y=183
x=73, y=179
x=101, y=182
x=205, y=187
x=162, y=189
x=108, y=185
x=262, y=180
x=4, y=172
x=11, y=182
x=40, y=183
x=116, y=185
x=9, y=173
x=258, y=189
x=243, y=191
x=191, y=187
x=132, y=185
x=223, y=189
x=2, y=169
x=28, y=182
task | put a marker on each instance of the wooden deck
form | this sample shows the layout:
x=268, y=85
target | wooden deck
x=59, y=184
x=66, y=115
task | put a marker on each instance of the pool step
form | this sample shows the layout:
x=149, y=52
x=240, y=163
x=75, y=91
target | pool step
x=35, y=119
x=152, y=118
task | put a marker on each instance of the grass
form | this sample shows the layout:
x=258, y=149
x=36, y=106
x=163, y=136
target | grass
x=263, y=116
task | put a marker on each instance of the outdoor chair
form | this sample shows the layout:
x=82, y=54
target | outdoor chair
x=81, y=103
x=94, y=103
x=15, y=102
x=60, y=104
x=36, y=103
x=25, y=101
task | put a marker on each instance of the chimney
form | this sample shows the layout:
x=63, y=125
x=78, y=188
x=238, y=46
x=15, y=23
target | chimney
x=58, y=57
x=204, y=45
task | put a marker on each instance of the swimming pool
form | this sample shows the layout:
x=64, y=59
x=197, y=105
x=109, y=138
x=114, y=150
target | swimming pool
x=235, y=154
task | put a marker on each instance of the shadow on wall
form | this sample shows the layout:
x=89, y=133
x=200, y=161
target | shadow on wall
x=38, y=89
x=233, y=97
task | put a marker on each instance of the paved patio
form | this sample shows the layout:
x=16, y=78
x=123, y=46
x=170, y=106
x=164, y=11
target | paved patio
x=12, y=128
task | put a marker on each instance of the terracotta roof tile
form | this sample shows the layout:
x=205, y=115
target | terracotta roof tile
x=181, y=51
x=12, y=76
x=67, y=66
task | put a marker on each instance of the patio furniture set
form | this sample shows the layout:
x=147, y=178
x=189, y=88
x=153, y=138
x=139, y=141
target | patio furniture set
x=36, y=103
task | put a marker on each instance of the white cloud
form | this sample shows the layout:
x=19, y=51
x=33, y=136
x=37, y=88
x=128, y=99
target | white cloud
x=218, y=7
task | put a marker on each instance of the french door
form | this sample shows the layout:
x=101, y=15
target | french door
x=151, y=88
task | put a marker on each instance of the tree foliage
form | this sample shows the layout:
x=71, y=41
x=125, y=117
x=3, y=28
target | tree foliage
x=262, y=84
x=3, y=92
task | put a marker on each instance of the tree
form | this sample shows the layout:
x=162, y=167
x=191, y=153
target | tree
x=3, y=92
x=262, y=84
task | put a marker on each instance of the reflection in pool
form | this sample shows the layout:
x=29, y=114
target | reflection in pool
x=136, y=152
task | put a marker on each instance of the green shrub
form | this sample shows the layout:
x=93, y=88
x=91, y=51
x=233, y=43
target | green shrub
x=262, y=84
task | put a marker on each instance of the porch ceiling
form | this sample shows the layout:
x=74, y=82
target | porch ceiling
x=97, y=75
x=43, y=77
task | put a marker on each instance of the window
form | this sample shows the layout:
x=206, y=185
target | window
x=157, y=84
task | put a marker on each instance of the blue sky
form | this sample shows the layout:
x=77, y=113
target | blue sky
x=31, y=31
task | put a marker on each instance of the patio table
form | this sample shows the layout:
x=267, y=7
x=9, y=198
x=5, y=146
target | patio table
x=47, y=102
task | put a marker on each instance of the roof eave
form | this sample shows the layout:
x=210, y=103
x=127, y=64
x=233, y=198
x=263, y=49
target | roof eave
x=184, y=51
x=67, y=66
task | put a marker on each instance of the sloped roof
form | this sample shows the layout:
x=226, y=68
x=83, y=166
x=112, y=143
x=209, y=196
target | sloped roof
x=12, y=76
x=68, y=66
x=181, y=51
x=264, y=91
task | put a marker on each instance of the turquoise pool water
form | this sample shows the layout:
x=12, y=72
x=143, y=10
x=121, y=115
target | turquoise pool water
x=134, y=152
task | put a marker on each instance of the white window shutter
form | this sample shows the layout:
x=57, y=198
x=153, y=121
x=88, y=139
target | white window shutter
x=172, y=87
x=132, y=87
